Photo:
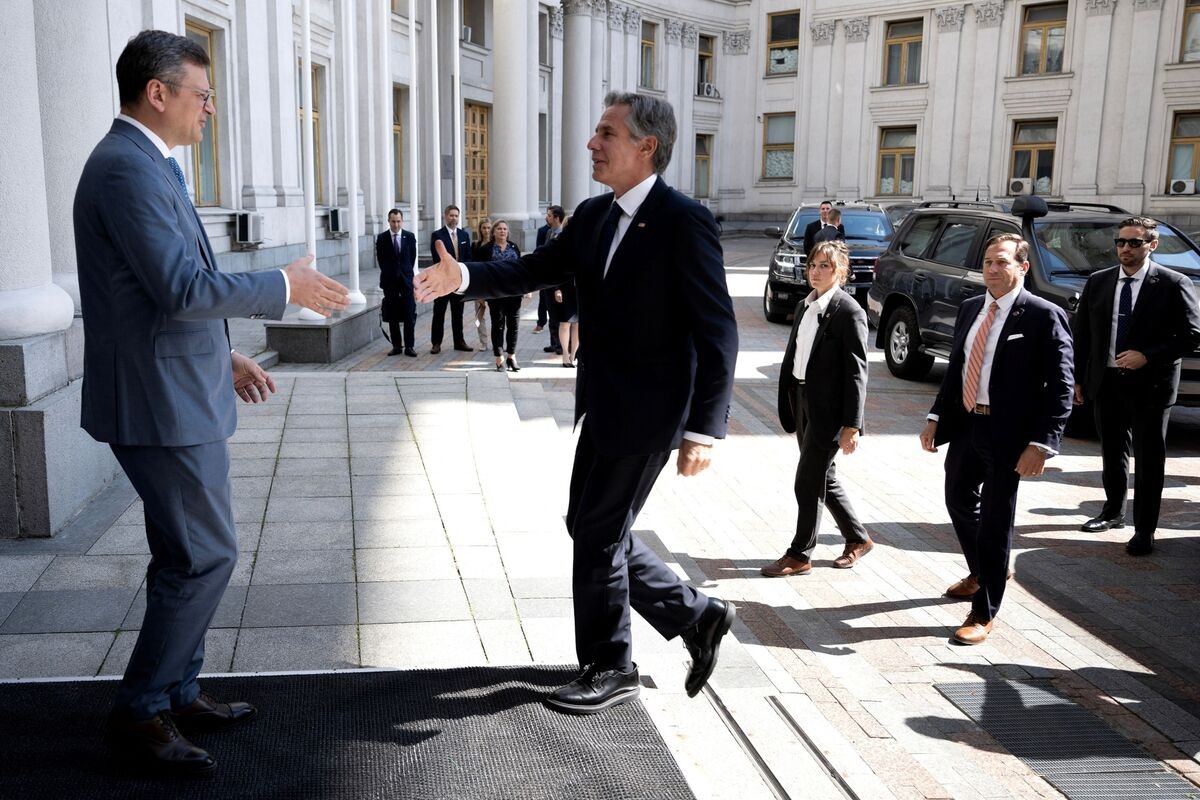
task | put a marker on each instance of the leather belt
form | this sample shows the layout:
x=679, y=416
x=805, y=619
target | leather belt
x=981, y=410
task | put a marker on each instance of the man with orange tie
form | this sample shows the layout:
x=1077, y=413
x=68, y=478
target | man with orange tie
x=1002, y=408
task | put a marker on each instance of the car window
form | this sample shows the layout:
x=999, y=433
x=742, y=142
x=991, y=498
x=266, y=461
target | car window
x=1082, y=247
x=918, y=236
x=954, y=246
x=872, y=225
x=995, y=229
x=800, y=222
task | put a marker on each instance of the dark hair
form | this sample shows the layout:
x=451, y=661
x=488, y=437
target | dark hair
x=1022, y=251
x=154, y=55
x=1150, y=225
x=839, y=254
x=557, y=212
x=396, y=211
x=450, y=208
x=826, y=202
x=648, y=116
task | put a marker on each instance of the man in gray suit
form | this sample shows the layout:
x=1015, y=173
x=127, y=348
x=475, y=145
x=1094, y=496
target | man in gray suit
x=160, y=378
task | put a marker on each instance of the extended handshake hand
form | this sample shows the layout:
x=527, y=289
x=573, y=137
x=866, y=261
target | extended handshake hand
x=442, y=278
x=315, y=291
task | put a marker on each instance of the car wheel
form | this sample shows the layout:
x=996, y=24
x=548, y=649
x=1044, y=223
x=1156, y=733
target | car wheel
x=902, y=346
x=768, y=312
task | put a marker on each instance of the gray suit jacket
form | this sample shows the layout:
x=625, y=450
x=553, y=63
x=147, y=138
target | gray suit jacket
x=156, y=365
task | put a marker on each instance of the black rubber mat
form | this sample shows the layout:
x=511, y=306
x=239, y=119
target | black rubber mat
x=422, y=734
x=1064, y=743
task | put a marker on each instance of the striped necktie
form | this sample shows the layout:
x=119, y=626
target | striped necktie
x=975, y=363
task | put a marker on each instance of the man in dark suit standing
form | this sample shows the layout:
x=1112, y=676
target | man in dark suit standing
x=159, y=380
x=546, y=303
x=817, y=225
x=1128, y=350
x=457, y=243
x=1002, y=407
x=396, y=252
x=647, y=263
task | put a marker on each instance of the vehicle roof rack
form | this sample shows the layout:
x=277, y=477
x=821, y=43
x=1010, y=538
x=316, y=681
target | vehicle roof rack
x=962, y=204
x=1067, y=205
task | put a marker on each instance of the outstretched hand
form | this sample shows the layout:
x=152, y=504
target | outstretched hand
x=314, y=291
x=251, y=382
x=441, y=279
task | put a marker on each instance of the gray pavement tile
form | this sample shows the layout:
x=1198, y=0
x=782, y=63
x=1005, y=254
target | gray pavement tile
x=308, y=509
x=53, y=655
x=303, y=566
x=249, y=509
x=314, y=449
x=399, y=533
x=388, y=449
x=541, y=587
x=313, y=466
x=19, y=573
x=70, y=611
x=490, y=599
x=405, y=564
x=362, y=406
x=315, y=422
x=254, y=436
x=393, y=422
x=254, y=450
x=134, y=515
x=535, y=607
x=387, y=465
x=121, y=540
x=311, y=486
x=394, y=507
x=256, y=486
x=372, y=485
x=412, y=601
x=314, y=436
x=228, y=614
x=479, y=563
x=246, y=422
x=304, y=604
x=394, y=435
x=248, y=535
x=421, y=645
x=296, y=648
x=307, y=536
x=8, y=601
x=251, y=467
x=93, y=572
x=503, y=641
x=218, y=651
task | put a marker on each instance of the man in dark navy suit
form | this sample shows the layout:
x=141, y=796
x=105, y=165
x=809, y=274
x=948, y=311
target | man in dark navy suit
x=817, y=225
x=648, y=266
x=1129, y=346
x=396, y=252
x=546, y=302
x=1002, y=407
x=457, y=243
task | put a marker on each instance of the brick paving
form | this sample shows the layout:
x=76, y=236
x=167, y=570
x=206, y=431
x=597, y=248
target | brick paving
x=397, y=512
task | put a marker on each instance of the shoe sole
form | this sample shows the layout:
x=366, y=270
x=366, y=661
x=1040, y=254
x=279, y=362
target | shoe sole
x=624, y=696
x=134, y=759
x=784, y=574
x=965, y=643
x=1085, y=529
x=212, y=727
x=726, y=624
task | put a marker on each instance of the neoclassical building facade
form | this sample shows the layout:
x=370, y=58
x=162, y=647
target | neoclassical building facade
x=488, y=104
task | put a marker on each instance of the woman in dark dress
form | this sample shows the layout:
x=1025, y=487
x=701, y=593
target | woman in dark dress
x=504, y=310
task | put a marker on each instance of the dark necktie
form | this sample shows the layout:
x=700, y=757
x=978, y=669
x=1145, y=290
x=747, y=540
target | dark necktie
x=1124, y=315
x=608, y=232
x=396, y=243
x=178, y=174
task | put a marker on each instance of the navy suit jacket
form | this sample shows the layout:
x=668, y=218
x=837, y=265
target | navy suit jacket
x=1030, y=385
x=396, y=271
x=666, y=288
x=156, y=367
x=1165, y=327
x=443, y=234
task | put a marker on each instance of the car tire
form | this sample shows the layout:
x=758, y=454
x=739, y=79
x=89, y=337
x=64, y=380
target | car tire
x=901, y=346
x=772, y=316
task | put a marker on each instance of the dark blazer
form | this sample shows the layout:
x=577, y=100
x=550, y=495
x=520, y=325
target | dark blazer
x=442, y=233
x=156, y=368
x=1031, y=381
x=810, y=233
x=396, y=275
x=836, y=375
x=1165, y=327
x=666, y=285
x=543, y=233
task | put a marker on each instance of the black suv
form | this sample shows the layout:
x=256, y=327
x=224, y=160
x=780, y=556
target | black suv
x=868, y=231
x=933, y=265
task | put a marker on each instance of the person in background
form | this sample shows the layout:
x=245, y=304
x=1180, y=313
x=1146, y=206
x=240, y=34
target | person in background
x=481, y=252
x=396, y=253
x=504, y=310
x=833, y=231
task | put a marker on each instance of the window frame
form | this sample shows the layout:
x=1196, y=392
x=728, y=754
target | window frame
x=648, y=47
x=1194, y=141
x=1190, y=9
x=782, y=44
x=211, y=129
x=318, y=83
x=706, y=158
x=398, y=105
x=1045, y=28
x=905, y=43
x=770, y=148
x=708, y=59
x=478, y=33
x=1035, y=151
x=895, y=153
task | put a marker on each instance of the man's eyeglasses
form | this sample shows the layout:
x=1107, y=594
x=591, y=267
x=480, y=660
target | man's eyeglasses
x=1134, y=243
x=205, y=97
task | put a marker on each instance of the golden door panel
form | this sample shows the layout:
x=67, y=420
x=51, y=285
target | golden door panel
x=476, y=137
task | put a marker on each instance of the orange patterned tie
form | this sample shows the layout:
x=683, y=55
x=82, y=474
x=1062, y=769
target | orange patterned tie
x=975, y=363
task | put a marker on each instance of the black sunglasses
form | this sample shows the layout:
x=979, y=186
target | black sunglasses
x=1119, y=242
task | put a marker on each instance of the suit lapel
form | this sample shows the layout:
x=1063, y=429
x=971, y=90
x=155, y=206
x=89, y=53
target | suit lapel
x=830, y=310
x=1012, y=323
x=641, y=228
x=960, y=336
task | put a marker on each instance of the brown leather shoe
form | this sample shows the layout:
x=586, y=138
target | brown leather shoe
x=853, y=552
x=433, y=351
x=974, y=630
x=210, y=714
x=785, y=566
x=158, y=744
x=967, y=587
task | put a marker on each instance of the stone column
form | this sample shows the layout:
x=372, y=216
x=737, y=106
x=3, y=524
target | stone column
x=810, y=164
x=633, y=50
x=533, y=170
x=943, y=81
x=597, y=75
x=577, y=117
x=1143, y=39
x=556, y=108
x=510, y=120
x=671, y=83
x=850, y=167
x=618, y=44
x=1089, y=119
x=685, y=145
x=988, y=18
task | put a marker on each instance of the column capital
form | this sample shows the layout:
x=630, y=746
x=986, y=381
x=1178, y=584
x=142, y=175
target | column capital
x=584, y=8
x=633, y=20
x=1147, y=5
x=691, y=35
x=950, y=18
x=822, y=31
x=556, y=22
x=616, y=16
x=1097, y=8
x=989, y=14
x=674, y=30
x=856, y=28
x=735, y=43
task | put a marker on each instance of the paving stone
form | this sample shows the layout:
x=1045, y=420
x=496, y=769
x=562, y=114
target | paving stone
x=251, y=467
x=394, y=507
x=399, y=533
x=300, y=605
x=69, y=611
x=369, y=485
x=412, y=601
x=218, y=651
x=308, y=509
x=307, y=535
x=479, y=563
x=313, y=466
x=93, y=572
x=503, y=642
x=303, y=566
x=228, y=614
x=8, y=601
x=296, y=648
x=53, y=655
x=405, y=564
x=253, y=450
x=255, y=486
x=249, y=510
x=301, y=435
x=297, y=422
x=421, y=645
x=490, y=599
x=20, y=573
x=286, y=486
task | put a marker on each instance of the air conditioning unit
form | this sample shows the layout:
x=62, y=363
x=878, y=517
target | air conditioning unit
x=339, y=221
x=707, y=90
x=1018, y=186
x=1183, y=187
x=247, y=228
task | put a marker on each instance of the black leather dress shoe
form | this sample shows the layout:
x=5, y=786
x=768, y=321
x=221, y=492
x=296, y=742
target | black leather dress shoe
x=156, y=743
x=210, y=714
x=1142, y=544
x=595, y=690
x=1101, y=524
x=703, y=641
x=408, y=351
x=395, y=351
x=464, y=347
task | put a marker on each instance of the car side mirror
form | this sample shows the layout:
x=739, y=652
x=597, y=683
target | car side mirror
x=1029, y=206
x=773, y=232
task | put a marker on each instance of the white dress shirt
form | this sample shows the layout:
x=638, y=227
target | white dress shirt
x=1139, y=278
x=1005, y=302
x=806, y=335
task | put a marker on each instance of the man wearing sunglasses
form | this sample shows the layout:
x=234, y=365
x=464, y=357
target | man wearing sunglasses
x=1135, y=323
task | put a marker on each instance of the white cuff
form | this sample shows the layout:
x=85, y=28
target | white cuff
x=466, y=278
x=699, y=438
x=287, y=287
x=932, y=417
x=1048, y=451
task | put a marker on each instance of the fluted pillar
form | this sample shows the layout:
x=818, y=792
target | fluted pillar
x=510, y=130
x=577, y=113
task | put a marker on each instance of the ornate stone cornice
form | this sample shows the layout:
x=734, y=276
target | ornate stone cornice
x=950, y=18
x=990, y=14
x=1147, y=5
x=1096, y=8
x=674, y=31
x=856, y=28
x=736, y=43
x=616, y=16
x=691, y=36
x=556, y=22
x=822, y=32
x=580, y=7
x=633, y=21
